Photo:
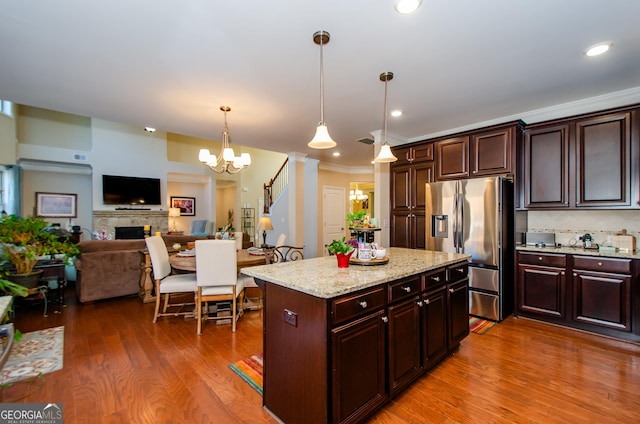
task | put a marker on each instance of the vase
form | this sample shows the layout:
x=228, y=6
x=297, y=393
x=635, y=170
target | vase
x=343, y=259
x=30, y=280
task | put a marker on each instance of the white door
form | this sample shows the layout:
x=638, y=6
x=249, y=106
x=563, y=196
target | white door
x=334, y=216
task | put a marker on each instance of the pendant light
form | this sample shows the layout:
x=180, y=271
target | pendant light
x=385, y=155
x=226, y=161
x=322, y=139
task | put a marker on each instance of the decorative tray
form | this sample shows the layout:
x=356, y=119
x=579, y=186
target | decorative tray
x=356, y=261
x=186, y=253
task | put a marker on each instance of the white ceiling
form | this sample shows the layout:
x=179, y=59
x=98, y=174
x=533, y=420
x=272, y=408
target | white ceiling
x=171, y=64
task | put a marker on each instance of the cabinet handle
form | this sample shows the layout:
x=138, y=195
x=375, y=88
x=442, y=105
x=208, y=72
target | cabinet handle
x=460, y=270
x=385, y=319
x=539, y=258
x=426, y=301
x=407, y=289
x=562, y=273
x=420, y=303
x=451, y=290
x=436, y=279
x=364, y=304
x=599, y=263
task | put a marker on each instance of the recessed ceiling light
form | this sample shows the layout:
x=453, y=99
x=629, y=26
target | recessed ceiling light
x=396, y=113
x=598, y=49
x=336, y=154
x=150, y=129
x=405, y=7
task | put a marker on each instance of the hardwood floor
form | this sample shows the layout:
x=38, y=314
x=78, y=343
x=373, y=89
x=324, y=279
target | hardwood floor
x=119, y=367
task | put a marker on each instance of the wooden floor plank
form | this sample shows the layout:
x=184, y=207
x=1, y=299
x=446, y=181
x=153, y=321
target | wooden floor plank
x=119, y=367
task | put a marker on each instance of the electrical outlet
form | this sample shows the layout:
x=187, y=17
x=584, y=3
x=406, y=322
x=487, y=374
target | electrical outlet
x=290, y=318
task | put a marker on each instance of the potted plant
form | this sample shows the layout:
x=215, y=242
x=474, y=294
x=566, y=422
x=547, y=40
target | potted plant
x=24, y=241
x=343, y=251
x=355, y=219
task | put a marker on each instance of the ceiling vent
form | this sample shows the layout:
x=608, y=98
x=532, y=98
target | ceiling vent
x=365, y=140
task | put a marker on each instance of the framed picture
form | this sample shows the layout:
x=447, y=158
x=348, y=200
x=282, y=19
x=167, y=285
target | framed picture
x=187, y=205
x=56, y=205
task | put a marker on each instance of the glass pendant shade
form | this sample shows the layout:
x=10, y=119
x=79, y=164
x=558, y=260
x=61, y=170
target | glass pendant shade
x=322, y=139
x=385, y=155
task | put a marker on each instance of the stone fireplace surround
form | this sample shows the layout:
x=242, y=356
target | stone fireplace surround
x=108, y=220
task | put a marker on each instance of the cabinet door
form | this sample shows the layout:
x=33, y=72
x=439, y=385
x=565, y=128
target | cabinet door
x=404, y=343
x=358, y=371
x=546, y=167
x=418, y=230
x=542, y=291
x=434, y=325
x=492, y=153
x=422, y=174
x=603, y=166
x=602, y=299
x=413, y=154
x=457, y=312
x=452, y=159
x=401, y=188
x=401, y=229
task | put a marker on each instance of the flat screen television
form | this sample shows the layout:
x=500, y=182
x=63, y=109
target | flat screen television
x=119, y=190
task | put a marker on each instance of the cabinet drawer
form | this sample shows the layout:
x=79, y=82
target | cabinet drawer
x=544, y=259
x=404, y=288
x=457, y=272
x=348, y=307
x=602, y=264
x=435, y=279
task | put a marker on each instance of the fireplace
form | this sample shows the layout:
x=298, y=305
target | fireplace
x=108, y=221
x=123, y=233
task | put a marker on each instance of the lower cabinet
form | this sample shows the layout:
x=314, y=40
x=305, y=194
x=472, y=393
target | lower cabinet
x=434, y=324
x=458, y=313
x=598, y=297
x=358, y=375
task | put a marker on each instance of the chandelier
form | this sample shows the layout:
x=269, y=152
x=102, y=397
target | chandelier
x=226, y=161
x=357, y=195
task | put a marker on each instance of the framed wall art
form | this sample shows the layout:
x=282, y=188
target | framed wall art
x=56, y=205
x=187, y=205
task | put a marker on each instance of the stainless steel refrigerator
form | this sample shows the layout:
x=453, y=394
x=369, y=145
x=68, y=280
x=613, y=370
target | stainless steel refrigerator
x=476, y=216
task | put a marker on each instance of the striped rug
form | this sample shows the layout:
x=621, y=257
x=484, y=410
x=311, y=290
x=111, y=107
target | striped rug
x=250, y=370
x=479, y=325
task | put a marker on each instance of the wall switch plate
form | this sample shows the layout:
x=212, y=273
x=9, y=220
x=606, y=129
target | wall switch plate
x=290, y=318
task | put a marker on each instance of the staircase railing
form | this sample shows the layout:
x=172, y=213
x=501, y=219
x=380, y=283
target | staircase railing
x=276, y=186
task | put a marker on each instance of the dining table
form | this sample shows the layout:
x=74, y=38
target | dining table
x=188, y=262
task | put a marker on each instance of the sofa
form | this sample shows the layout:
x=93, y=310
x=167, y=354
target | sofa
x=112, y=268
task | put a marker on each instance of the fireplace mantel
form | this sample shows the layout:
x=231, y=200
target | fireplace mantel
x=108, y=220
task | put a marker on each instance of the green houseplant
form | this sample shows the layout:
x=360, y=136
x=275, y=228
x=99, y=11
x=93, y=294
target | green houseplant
x=24, y=241
x=343, y=251
x=355, y=219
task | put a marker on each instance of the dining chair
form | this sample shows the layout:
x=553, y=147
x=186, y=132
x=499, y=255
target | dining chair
x=217, y=279
x=281, y=239
x=168, y=284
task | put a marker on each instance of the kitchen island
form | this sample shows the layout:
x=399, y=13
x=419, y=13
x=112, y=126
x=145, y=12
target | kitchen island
x=340, y=342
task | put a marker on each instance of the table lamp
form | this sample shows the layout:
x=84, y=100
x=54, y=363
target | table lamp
x=264, y=225
x=174, y=213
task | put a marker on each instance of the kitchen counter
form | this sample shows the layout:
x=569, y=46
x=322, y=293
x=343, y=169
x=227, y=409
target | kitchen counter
x=321, y=277
x=568, y=250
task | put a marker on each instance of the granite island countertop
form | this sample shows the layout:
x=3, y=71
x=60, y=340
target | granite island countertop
x=322, y=278
x=578, y=250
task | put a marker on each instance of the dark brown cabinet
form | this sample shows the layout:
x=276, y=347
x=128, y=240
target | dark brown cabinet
x=404, y=343
x=602, y=292
x=452, y=158
x=598, y=297
x=492, y=152
x=546, y=167
x=457, y=313
x=542, y=285
x=581, y=162
x=434, y=323
x=414, y=154
x=358, y=377
x=408, y=184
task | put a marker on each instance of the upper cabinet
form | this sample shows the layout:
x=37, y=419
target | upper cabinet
x=582, y=162
x=413, y=154
x=490, y=151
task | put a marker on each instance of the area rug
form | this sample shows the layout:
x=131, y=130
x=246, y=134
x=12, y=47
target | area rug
x=479, y=325
x=39, y=352
x=250, y=370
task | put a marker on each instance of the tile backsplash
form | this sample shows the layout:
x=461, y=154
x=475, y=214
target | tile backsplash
x=599, y=223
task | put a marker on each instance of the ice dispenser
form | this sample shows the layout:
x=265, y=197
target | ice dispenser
x=439, y=226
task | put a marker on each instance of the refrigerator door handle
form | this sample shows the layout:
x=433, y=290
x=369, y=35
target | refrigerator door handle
x=455, y=222
x=460, y=222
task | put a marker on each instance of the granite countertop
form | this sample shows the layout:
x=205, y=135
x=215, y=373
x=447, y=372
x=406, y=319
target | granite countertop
x=579, y=250
x=322, y=278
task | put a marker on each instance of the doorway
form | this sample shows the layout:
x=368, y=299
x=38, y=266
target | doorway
x=333, y=213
